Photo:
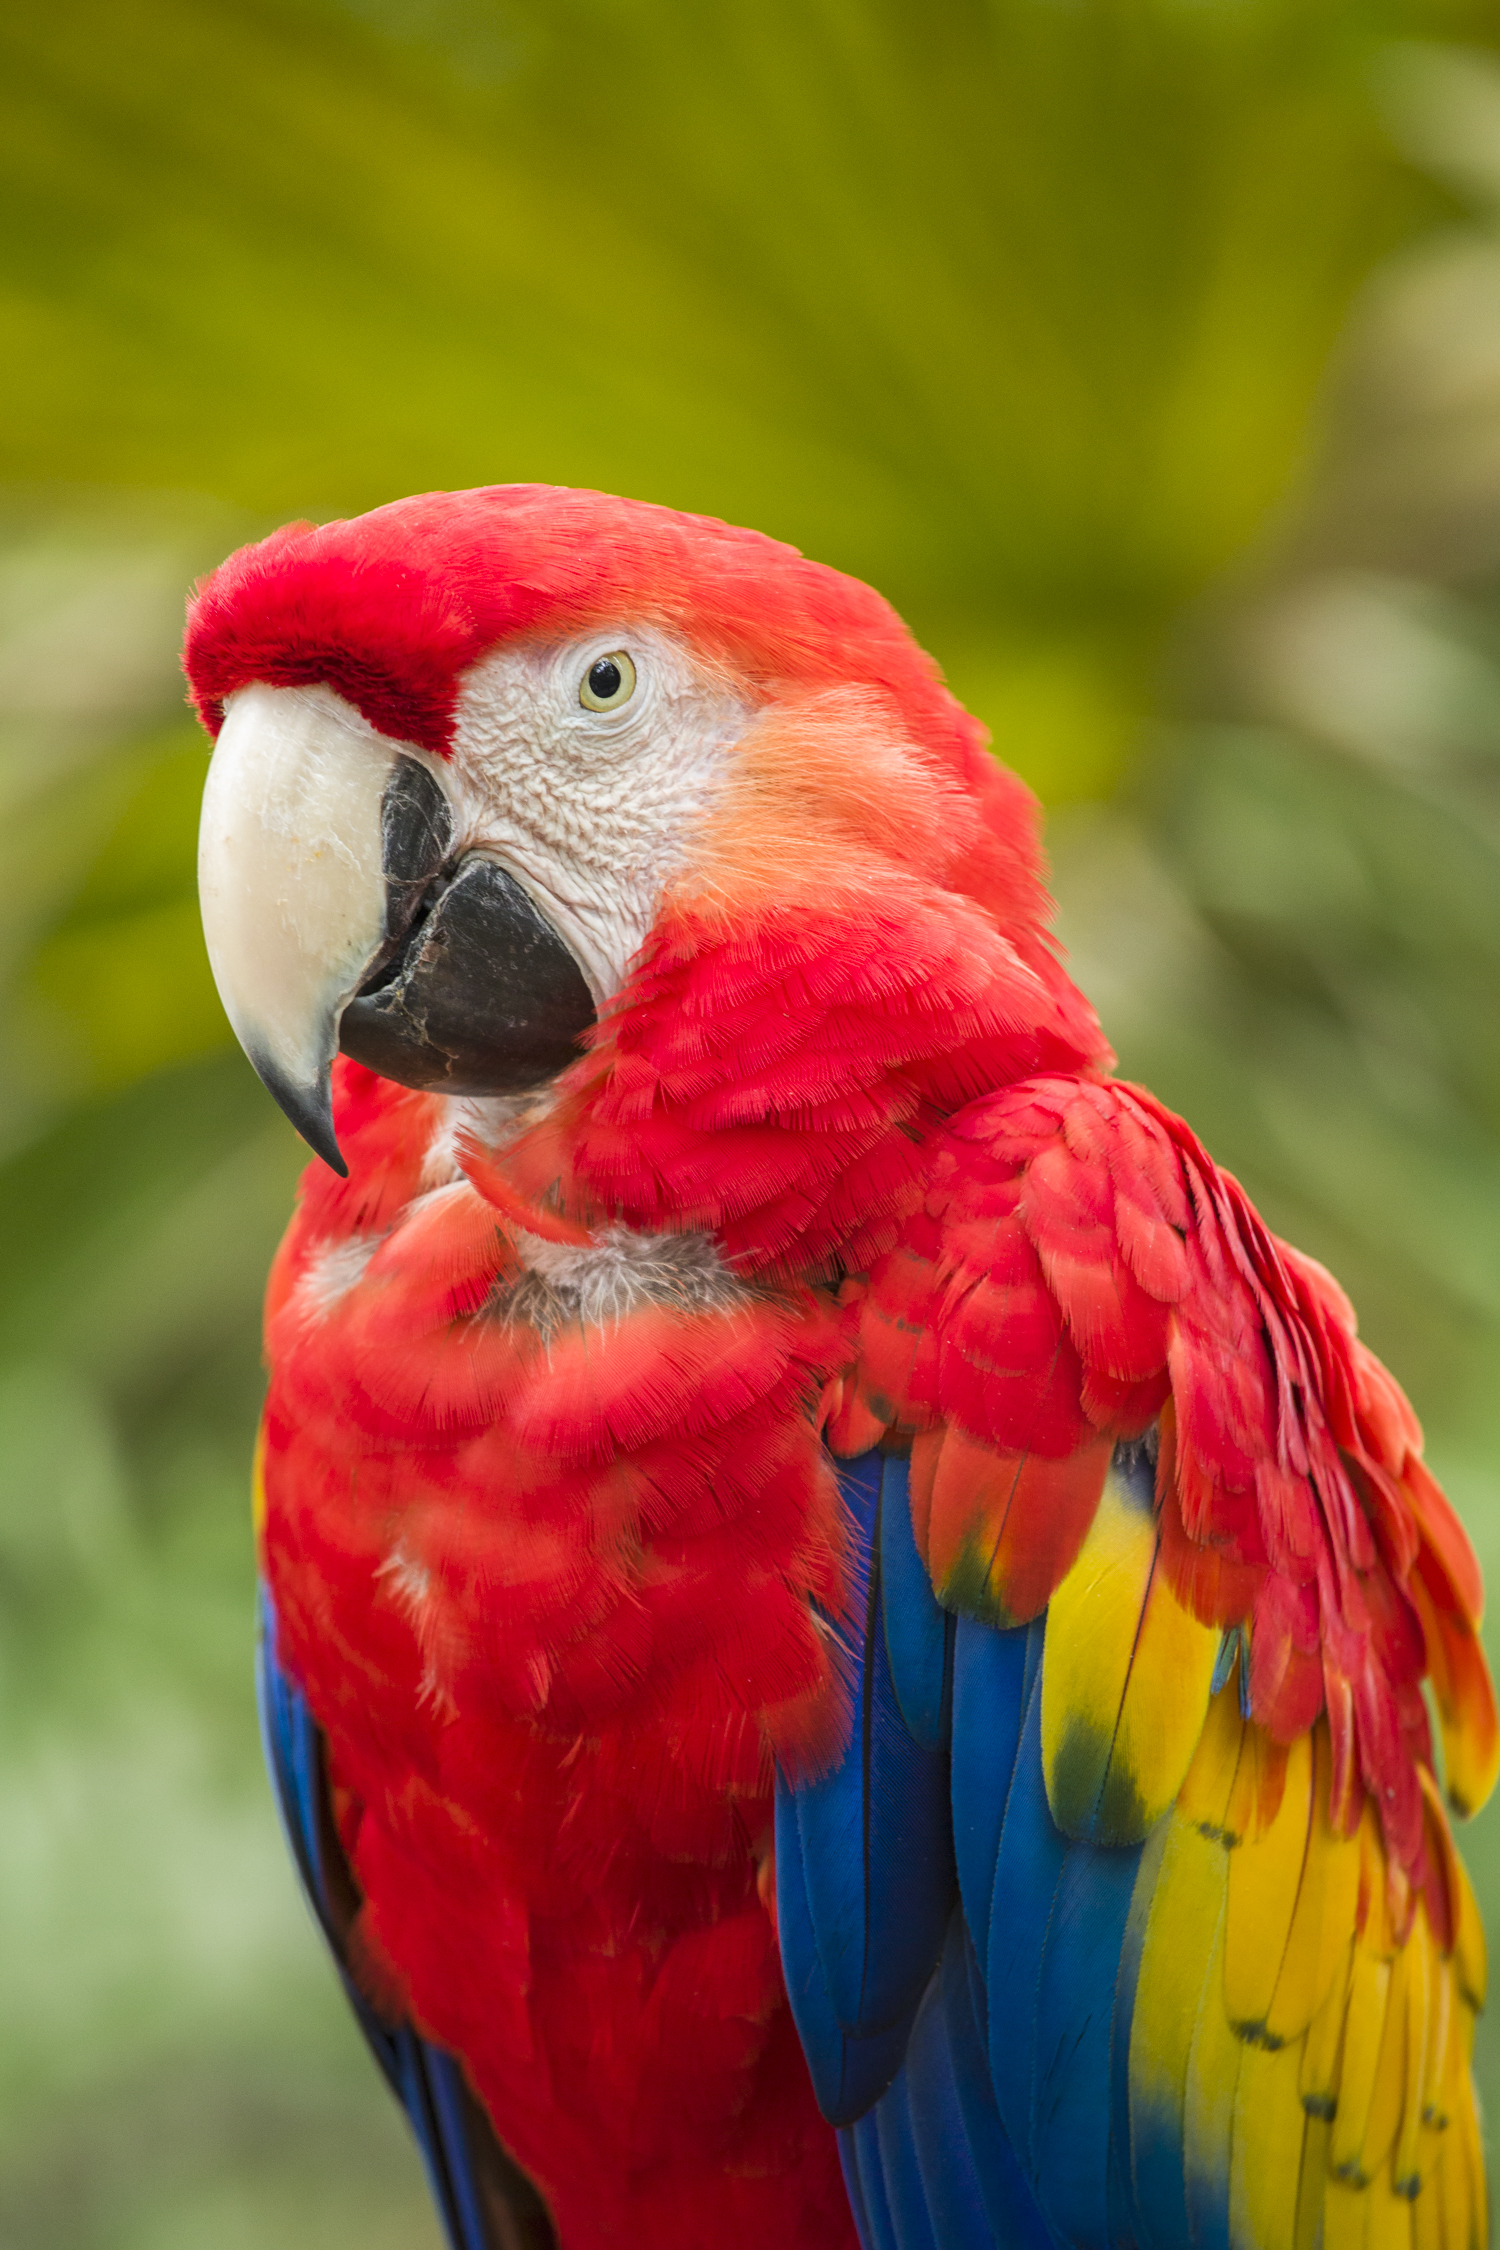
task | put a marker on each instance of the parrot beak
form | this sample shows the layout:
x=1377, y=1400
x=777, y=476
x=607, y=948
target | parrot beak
x=337, y=917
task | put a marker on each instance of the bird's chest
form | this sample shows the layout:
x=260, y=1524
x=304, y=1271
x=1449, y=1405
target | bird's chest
x=546, y=1553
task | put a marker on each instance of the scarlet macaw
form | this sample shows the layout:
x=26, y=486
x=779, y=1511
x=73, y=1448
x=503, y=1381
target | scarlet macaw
x=844, y=1627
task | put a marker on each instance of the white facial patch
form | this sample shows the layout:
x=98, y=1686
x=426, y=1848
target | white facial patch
x=591, y=810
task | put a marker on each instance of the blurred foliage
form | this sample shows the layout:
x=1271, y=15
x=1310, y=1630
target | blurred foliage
x=1023, y=309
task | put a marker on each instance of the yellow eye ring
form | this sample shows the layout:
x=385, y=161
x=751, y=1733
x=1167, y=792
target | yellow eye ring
x=608, y=682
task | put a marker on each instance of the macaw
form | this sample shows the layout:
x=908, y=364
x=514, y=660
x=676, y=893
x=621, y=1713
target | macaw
x=846, y=1634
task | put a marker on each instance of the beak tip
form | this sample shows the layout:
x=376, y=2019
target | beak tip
x=310, y=1109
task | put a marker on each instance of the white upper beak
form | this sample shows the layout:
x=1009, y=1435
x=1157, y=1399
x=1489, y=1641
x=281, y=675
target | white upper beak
x=291, y=882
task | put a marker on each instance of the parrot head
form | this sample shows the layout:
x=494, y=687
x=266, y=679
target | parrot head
x=477, y=753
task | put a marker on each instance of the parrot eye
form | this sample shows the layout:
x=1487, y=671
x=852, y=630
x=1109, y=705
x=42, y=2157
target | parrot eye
x=608, y=682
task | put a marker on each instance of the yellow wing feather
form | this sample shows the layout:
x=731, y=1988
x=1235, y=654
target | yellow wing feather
x=1208, y=1790
x=1259, y=1780
x=1265, y=1877
x=1364, y=2028
x=1126, y=1678
x=1323, y=2047
x=1428, y=2230
x=1310, y=2185
x=1297, y=2021
x=1467, y=2164
x=1270, y=2126
x=1213, y=2068
x=1412, y=2160
x=1470, y=1952
x=1388, y=2094
x=1183, y=1933
x=1346, y=2217
x=1390, y=2222
x=1324, y=1914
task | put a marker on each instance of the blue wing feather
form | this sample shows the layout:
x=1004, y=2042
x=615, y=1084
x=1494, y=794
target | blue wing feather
x=941, y=2128
x=1011, y=2208
x=1129, y=2219
x=1070, y=2146
x=1004, y=2119
x=874, y=1839
x=901, y=2166
x=941, y=2112
x=993, y=1674
x=848, y=2073
x=862, y=2146
x=919, y=1636
x=1028, y=1871
x=855, y=2187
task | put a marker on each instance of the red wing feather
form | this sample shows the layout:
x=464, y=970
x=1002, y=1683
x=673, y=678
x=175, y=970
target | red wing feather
x=1002, y=1529
x=1080, y=1269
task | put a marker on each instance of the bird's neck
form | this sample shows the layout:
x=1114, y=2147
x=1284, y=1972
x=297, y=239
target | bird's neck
x=777, y=1087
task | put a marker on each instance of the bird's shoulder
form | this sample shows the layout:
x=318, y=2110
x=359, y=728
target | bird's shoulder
x=1127, y=1399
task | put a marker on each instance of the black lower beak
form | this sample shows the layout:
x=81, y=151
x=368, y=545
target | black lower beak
x=481, y=997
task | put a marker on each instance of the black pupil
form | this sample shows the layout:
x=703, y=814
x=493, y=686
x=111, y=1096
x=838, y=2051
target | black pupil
x=604, y=678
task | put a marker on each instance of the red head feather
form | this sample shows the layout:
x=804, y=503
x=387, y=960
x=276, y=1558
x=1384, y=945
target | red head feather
x=871, y=888
x=391, y=610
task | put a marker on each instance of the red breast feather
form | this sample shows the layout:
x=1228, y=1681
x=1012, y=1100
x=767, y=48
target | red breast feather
x=551, y=1594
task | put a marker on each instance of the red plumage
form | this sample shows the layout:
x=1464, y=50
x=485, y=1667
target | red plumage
x=548, y=1580
x=552, y=1605
x=1292, y=1494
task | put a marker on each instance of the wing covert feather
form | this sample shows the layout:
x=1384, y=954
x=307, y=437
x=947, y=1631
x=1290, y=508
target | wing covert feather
x=1080, y=1277
x=1128, y=1671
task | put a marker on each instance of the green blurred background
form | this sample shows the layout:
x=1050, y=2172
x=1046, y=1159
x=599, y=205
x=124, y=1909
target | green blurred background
x=1146, y=352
